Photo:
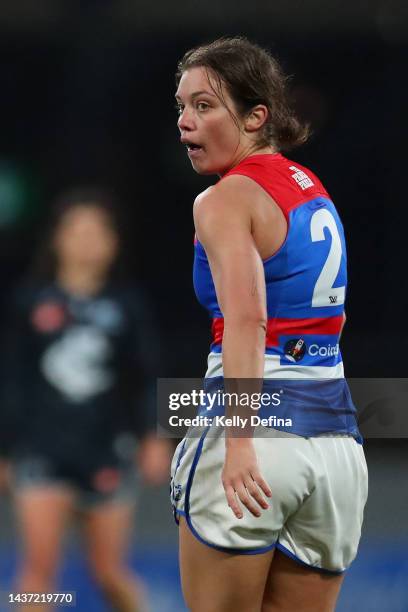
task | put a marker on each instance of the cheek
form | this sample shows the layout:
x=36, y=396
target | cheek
x=225, y=137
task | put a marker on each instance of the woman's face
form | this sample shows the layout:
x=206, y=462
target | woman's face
x=213, y=138
x=85, y=237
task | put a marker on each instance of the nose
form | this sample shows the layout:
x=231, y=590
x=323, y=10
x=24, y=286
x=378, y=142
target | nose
x=185, y=120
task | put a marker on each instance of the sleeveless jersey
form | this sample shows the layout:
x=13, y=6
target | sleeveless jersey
x=306, y=283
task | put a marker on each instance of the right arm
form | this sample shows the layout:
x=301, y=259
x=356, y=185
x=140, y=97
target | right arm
x=223, y=224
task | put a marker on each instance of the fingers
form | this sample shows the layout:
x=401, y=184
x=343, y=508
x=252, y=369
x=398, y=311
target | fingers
x=255, y=492
x=249, y=494
x=233, y=501
x=247, y=500
x=261, y=482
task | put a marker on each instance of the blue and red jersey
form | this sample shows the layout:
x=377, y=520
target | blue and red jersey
x=305, y=279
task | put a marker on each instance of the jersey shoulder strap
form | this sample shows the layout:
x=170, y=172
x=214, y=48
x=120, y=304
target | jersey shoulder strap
x=287, y=182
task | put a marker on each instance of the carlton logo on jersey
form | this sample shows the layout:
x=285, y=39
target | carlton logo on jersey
x=297, y=350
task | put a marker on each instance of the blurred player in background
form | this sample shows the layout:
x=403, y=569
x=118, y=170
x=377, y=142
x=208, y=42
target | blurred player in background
x=270, y=267
x=81, y=361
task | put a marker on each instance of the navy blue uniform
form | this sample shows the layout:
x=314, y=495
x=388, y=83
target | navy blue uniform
x=79, y=377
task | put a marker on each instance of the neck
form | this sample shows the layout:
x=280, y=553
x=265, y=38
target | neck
x=80, y=280
x=251, y=149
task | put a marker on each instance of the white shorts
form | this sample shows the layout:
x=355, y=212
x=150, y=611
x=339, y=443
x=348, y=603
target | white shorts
x=319, y=489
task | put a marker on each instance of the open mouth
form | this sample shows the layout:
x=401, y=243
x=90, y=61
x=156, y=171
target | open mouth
x=192, y=147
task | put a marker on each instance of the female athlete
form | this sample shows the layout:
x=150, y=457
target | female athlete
x=81, y=354
x=269, y=521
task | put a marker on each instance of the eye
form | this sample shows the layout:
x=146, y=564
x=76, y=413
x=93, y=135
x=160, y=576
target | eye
x=202, y=106
x=179, y=108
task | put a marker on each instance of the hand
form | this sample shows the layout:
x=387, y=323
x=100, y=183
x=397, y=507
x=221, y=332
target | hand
x=154, y=458
x=242, y=479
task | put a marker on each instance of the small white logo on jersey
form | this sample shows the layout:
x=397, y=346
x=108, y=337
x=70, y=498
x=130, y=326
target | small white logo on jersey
x=301, y=178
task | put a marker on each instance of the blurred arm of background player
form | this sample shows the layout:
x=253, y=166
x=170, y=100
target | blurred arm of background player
x=4, y=474
x=153, y=453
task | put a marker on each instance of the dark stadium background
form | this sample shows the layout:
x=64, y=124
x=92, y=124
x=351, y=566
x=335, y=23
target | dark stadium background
x=86, y=98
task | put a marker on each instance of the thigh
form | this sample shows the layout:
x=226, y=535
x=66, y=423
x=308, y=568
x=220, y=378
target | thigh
x=215, y=581
x=292, y=586
x=42, y=512
x=107, y=528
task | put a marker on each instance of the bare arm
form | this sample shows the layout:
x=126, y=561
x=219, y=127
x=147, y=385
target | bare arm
x=343, y=324
x=223, y=224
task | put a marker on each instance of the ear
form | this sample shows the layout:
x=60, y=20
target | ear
x=256, y=118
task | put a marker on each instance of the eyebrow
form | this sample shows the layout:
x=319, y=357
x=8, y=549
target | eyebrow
x=197, y=93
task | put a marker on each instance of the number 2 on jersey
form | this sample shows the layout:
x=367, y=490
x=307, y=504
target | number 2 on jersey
x=324, y=294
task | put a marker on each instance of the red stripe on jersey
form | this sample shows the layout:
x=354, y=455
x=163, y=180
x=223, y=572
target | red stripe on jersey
x=330, y=326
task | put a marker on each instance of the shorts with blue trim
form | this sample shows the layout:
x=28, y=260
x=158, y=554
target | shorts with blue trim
x=319, y=490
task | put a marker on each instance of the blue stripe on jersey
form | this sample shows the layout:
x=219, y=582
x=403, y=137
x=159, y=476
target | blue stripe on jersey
x=314, y=406
x=319, y=351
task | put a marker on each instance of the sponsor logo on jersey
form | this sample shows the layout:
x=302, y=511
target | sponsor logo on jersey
x=106, y=314
x=295, y=349
x=323, y=351
x=301, y=178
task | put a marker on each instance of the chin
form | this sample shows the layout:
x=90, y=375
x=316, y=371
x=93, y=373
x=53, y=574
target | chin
x=204, y=169
x=199, y=168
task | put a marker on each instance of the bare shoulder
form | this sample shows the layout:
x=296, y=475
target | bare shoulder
x=234, y=194
x=203, y=197
x=223, y=213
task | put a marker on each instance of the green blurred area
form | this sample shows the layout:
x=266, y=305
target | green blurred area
x=20, y=195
